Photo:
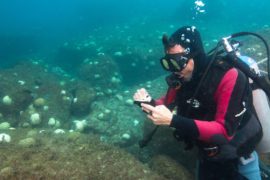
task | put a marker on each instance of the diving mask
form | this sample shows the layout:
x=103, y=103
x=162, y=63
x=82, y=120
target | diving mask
x=174, y=62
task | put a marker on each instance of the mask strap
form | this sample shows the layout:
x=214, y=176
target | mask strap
x=192, y=55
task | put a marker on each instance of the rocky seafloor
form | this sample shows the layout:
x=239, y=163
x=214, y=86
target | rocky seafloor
x=44, y=137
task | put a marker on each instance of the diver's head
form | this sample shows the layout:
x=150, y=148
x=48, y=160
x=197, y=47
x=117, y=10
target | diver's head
x=184, y=52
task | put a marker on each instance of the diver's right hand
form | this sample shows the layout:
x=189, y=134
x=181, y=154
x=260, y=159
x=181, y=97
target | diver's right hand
x=142, y=96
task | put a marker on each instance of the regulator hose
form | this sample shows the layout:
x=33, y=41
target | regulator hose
x=263, y=40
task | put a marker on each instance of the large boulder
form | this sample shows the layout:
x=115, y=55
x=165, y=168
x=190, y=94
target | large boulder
x=83, y=96
x=102, y=72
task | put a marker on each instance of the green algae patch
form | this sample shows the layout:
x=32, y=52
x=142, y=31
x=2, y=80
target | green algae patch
x=68, y=157
x=169, y=168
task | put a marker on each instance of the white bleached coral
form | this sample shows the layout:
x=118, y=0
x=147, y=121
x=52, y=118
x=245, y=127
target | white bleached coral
x=51, y=122
x=7, y=100
x=5, y=138
x=59, y=131
x=35, y=119
x=126, y=136
x=54, y=123
x=80, y=125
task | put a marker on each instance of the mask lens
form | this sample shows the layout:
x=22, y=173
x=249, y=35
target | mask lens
x=165, y=64
x=175, y=64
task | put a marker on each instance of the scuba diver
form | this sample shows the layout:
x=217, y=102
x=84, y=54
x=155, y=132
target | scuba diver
x=214, y=106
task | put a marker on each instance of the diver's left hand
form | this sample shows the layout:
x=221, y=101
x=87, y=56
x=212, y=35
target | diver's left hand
x=142, y=95
x=160, y=115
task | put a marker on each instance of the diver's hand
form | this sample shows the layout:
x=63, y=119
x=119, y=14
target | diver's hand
x=142, y=96
x=160, y=115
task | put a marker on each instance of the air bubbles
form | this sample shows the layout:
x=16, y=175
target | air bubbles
x=199, y=3
x=199, y=8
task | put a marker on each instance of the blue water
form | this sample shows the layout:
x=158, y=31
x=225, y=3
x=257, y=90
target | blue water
x=37, y=29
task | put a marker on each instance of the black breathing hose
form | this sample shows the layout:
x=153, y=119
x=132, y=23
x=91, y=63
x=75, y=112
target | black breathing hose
x=204, y=74
x=264, y=41
x=261, y=81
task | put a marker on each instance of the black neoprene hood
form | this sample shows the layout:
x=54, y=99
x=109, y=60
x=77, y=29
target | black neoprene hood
x=190, y=39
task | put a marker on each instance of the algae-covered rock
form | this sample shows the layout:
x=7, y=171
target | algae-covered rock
x=74, y=136
x=4, y=125
x=32, y=133
x=28, y=142
x=39, y=102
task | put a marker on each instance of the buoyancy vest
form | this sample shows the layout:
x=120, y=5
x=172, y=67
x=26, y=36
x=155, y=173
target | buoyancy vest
x=249, y=130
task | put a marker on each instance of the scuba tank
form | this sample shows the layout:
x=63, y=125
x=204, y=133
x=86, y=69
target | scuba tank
x=262, y=90
x=261, y=105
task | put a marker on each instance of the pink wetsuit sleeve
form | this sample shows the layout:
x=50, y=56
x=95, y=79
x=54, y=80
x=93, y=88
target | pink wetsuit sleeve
x=171, y=97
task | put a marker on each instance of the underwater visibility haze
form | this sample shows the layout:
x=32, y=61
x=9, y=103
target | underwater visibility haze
x=68, y=72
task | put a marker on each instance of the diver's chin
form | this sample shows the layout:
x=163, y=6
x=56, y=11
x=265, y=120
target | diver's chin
x=187, y=79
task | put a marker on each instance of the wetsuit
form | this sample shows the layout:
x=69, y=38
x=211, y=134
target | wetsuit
x=220, y=116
